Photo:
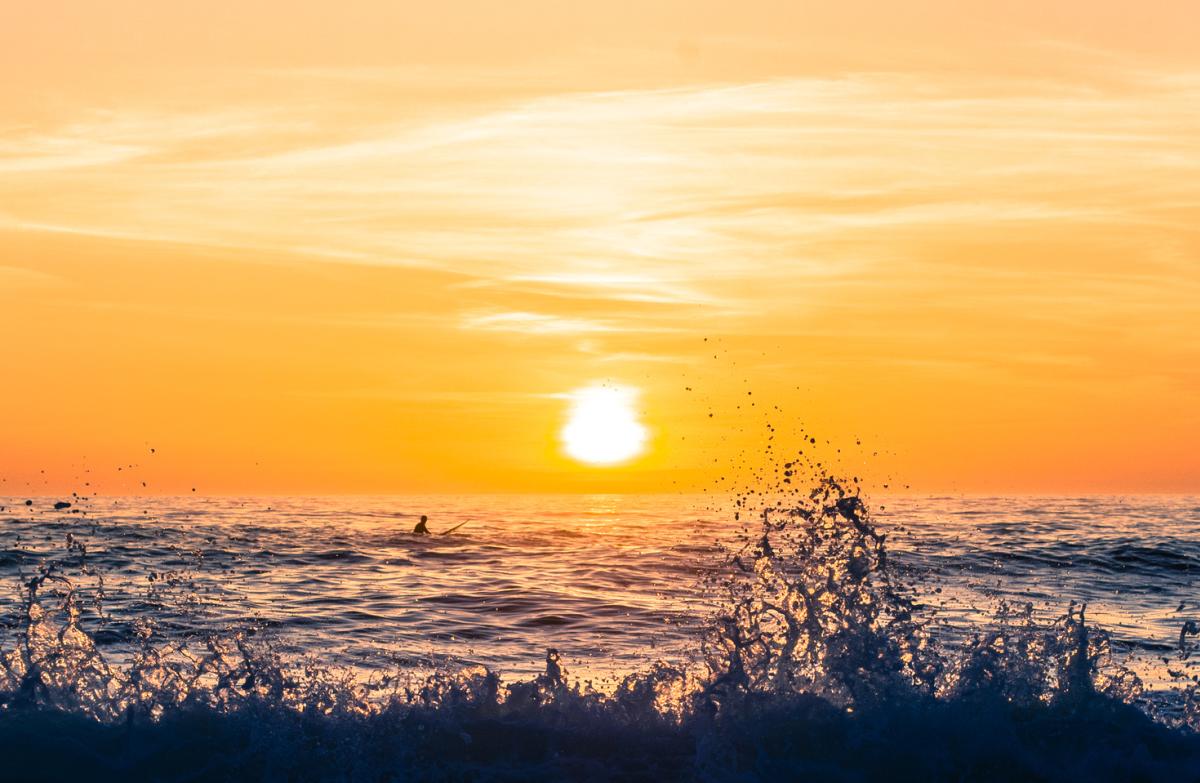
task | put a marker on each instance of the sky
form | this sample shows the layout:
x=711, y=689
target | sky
x=368, y=246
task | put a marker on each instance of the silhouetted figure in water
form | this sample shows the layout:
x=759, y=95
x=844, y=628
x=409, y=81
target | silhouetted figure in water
x=421, y=529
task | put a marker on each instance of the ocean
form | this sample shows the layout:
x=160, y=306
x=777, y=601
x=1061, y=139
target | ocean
x=800, y=633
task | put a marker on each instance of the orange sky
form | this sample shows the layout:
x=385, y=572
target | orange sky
x=373, y=246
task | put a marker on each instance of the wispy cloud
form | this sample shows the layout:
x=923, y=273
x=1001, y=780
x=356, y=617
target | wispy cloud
x=648, y=209
x=535, y=323
x=55, y=153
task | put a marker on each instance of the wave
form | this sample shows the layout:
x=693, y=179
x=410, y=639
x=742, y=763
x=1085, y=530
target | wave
x=818, y=663
x=1098, y=556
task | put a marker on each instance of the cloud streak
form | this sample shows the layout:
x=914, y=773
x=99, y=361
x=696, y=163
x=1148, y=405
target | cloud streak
x=648, y=208
x=535, y=323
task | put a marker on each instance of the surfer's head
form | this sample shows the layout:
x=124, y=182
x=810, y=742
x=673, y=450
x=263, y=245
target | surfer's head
x=424, y=518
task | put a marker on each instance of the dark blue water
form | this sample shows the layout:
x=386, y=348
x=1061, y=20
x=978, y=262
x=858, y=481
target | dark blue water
x=316, y=638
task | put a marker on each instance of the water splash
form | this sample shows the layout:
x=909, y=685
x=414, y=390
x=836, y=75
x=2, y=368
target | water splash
x=817, y=610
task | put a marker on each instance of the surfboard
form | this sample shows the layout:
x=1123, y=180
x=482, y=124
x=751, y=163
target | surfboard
x=451, y=530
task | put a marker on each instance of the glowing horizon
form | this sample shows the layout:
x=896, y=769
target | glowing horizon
x=376, y=250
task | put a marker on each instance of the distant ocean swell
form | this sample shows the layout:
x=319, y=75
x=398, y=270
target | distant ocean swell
x=818, y=664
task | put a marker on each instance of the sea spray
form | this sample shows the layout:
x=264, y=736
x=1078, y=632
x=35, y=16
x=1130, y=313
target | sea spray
x=812, y=607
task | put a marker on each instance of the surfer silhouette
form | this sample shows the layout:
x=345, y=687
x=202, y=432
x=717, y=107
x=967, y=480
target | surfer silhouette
x=422, y=530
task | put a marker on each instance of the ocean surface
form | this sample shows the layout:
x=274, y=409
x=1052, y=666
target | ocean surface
x=682, y=619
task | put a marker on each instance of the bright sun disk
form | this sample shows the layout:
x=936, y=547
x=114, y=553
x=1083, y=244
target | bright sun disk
x=602, y=426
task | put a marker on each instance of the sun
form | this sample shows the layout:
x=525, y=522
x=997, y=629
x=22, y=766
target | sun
x=602, y=426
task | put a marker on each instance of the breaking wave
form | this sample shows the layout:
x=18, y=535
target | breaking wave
x=819, y=663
